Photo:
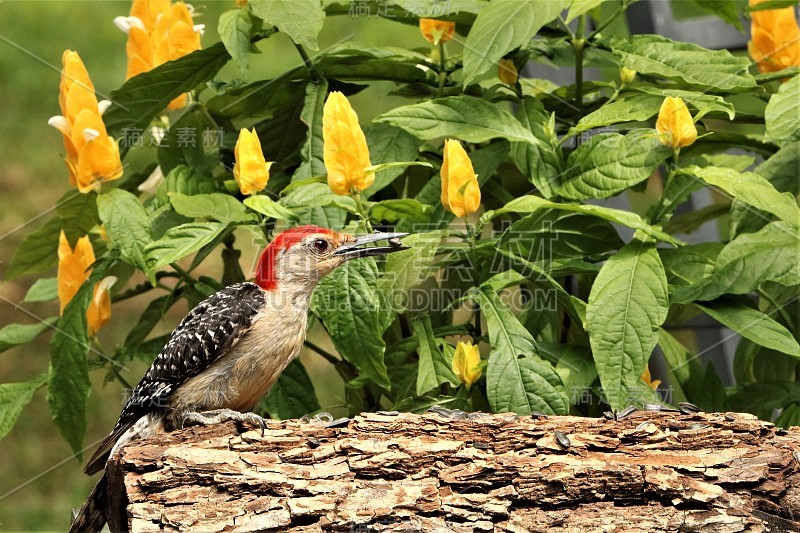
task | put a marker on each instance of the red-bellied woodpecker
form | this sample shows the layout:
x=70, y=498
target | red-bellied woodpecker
x=229, y=350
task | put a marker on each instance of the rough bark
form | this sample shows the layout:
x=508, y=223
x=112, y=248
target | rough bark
x=649, y=472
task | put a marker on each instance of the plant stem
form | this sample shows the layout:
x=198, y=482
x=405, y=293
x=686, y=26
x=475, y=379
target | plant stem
x=313, y=74
x=566, y=28
x=361, y=210
x=324, y=353
x=622, y=8
x=578, y=44
x=442, y=70
x=472, y=235
x=188, y=278
x=778, y=308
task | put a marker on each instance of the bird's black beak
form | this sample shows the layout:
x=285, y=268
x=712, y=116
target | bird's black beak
x=356, y=247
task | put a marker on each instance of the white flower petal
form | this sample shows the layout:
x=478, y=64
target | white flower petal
x=103, y=105
x=126, y=23
x=60, y=123
x=90, y=134
x=103, y=287
x=122, y=23
x=199, y=28
x=153, y=182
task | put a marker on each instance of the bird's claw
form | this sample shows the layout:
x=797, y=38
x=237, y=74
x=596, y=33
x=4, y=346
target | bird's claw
x=206, y=418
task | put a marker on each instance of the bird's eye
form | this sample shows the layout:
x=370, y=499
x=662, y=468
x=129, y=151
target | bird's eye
x=320, y=245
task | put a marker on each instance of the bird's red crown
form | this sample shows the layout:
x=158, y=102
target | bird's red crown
x=265, y=271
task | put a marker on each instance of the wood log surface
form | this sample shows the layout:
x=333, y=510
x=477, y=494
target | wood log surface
x=651, y=471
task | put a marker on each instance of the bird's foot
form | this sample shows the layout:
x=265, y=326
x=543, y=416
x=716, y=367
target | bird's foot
x=206, y=418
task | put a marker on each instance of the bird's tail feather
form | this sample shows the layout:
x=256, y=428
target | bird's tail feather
x=91, y=518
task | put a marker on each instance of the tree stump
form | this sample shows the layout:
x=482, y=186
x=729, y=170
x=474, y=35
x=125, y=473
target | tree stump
x=652, y=471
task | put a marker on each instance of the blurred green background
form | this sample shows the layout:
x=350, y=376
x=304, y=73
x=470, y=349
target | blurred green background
x=40, y=481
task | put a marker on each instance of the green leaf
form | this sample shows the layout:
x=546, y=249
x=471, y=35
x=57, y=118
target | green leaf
x=144, y=96
x=406, y=269
x=713, y=70
x=770, y=254
x=548, y=233
x=257, y=100
x=37, y=252
x=184, y=180
x=705, y=388
x=127, y=225
x=69, y=384
x=311, y=154
x=537, y=274
x=753, y=324
x=400, y=209
x=781, y=169
x=181, y=241
x=610, y=163
x=78, y=214
x=752, y=189
x=540, y=161
x=16, y=334
x=724, y=9
x=691, y=264
x=42, y=290
x=790, y=416
x=13, y=398
x=192, y=141
x=301, y=20
x=357, y=62
x=768, y=395
x=349, y=305
x=268, y=207
x=688, y=222
x=529, y=204
x=388, y=144
x=519, y=20
x=434, y=369
x=221, y=207
x=581, y=7
x=576, y=369
x=629, y=108
x=466, y=118
x=517, y=379
x=234, y=31
x=292, y=396
x=783, y=111
x=627, y=305
x=681, y=363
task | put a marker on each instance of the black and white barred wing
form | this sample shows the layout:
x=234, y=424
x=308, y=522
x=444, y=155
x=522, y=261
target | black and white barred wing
x=212, y=328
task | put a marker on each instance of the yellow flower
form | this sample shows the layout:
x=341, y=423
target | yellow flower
x=92, y=157
x=626, y=75
x=653, y=384
x=437, y=31
x=158, y=31
x=74, y=268
x=250, y=170
x=467, y=364
x=775, y=38
x=675, y=123
x=345, y=149
x=507, y=71
x=461, y=194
